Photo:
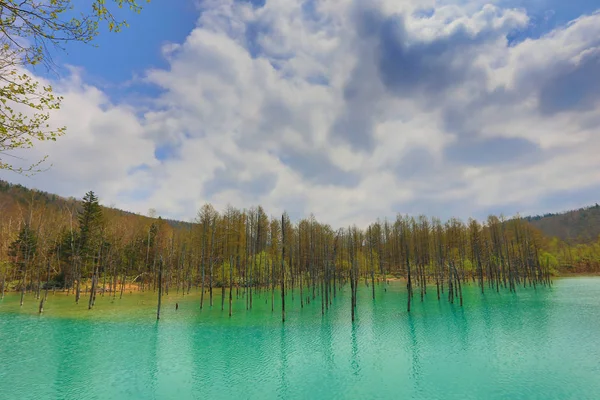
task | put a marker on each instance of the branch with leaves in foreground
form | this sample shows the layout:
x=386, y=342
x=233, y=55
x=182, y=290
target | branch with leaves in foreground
x=29, y=31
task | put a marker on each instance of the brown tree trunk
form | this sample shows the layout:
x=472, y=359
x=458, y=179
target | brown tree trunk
x=230, y=281
x=160, y=273
x=283, y=268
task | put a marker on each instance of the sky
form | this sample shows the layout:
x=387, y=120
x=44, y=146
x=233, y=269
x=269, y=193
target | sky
x=348, y=110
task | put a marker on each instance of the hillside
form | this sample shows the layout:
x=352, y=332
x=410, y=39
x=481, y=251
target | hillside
x=576, y=226
x=18, y=195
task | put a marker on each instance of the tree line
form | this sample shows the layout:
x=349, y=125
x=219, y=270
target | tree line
x=86, y=249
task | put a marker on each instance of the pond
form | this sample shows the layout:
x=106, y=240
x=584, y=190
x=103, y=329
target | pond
x=536, y=344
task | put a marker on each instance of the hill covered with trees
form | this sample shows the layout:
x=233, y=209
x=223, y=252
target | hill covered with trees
x=575, y=226
x=18, y=196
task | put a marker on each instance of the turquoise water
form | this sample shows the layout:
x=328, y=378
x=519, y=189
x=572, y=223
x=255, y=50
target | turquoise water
x=540, y=344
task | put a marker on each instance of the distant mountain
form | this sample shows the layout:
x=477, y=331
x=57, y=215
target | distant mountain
x=576, y=226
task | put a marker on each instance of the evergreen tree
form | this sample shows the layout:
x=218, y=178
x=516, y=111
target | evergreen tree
x=24, y=247
x=23, y=250
x=90, y=221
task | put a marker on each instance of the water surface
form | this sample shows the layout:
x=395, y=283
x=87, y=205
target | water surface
x=537, y=344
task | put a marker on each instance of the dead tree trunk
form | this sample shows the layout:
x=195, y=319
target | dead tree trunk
x=160, y=273
x=230, y=281
x=283, y=268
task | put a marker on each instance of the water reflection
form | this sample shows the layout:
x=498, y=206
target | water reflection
x=461, y=326
x=415, y=349
x=535, y=344
x=283, y=360
x=355, y=357
x=152, y=360
x=326, y=343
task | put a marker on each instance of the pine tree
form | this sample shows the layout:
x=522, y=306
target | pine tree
x=90, y=222
x=23, y=249
x=90, y=219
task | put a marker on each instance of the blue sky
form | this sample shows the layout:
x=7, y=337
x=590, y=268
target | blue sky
x=347, y=109
x=118, y=58
x=122, y=56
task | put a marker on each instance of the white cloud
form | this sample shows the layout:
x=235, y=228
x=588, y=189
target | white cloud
x=103, y=143
x=346, y=111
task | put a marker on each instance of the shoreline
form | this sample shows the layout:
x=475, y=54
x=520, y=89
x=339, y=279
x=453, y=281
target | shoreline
x=134, y=288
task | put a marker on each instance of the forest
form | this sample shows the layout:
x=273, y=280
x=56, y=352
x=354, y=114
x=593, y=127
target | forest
x=574, y=226
x=85, y=249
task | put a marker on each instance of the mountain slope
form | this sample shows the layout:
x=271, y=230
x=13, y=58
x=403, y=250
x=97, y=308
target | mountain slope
x=576, y=226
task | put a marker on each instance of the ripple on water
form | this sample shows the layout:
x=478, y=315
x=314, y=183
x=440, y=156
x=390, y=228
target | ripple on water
x=535, y=344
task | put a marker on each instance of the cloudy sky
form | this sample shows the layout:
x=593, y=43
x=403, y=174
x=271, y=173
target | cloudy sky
x=350, y=110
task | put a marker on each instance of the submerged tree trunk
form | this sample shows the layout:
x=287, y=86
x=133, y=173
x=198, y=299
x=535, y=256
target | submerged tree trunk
x=223, y=285
x=370, y=250
x=283, y=268
x=272, y=286
x=78, y=289
x=92, y=290
x=352, y=291
x=123, y=279
x=230, y=282
x=23, y=287
x=3, y=284
x=202, y=289
x=409, y=281
x=160, y=273
x=202, y=262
